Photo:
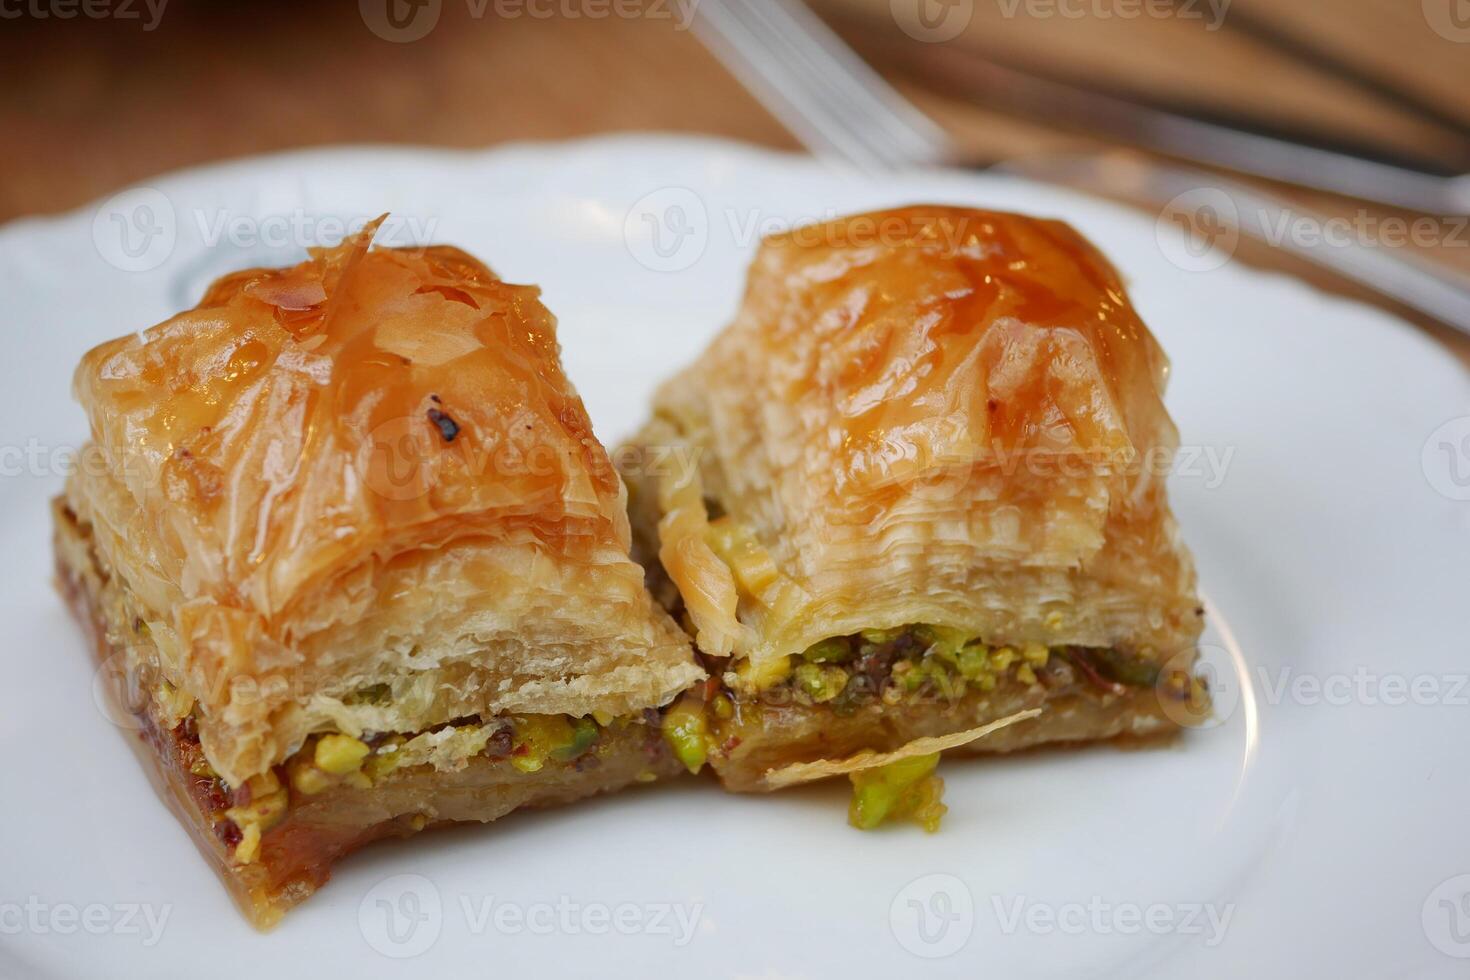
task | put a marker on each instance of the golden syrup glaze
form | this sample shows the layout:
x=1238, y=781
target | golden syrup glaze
x=300, y=420
x=932, y=414
x=935, y=335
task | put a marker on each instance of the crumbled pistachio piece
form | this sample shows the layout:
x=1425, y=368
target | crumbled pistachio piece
x=340, y=754
x=537, y=737
x=584, y=733
x=1133, y=669
x=249, y=845
x=906, y=788
x=945, y=684
x=944, y=642
x=686, y=730
x=973, y=662
x=267, y=807
x=1036, y=654
x=834, y=649
x=307, y=778
x=820, y=683
x=358, y=780
x=767, y=674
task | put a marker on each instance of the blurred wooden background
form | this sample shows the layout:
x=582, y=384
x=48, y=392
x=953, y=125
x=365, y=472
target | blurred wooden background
x=92, y=105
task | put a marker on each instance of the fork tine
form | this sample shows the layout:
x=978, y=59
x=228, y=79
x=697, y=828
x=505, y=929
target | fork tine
x=780, y=86
x=868, y=93
x=816, y=85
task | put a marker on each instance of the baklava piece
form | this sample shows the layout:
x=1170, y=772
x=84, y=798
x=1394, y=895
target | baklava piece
x=914, y=489
x=347, y=528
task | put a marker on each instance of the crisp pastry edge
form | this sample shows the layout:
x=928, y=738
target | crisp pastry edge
x=261, y=901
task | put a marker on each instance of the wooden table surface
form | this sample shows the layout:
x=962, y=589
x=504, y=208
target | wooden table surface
x=94, y=104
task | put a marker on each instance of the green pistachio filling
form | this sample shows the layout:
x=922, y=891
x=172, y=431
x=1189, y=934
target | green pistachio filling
x=905, y=788
x=686, y=730
x=948, y=663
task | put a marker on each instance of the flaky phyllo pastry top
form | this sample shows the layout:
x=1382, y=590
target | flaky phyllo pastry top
x=359, y=494
x=931, y=415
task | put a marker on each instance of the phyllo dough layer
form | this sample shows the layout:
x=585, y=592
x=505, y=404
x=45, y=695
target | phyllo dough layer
x=356, y=502
x=932, y=442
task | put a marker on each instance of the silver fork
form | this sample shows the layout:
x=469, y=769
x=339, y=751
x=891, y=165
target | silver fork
x=846, y=113
x=820, y=89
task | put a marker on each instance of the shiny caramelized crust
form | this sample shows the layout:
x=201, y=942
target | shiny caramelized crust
x=932, y=415
x=364, y=475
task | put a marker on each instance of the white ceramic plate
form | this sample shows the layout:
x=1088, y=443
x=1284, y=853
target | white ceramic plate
x=1320, y=828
